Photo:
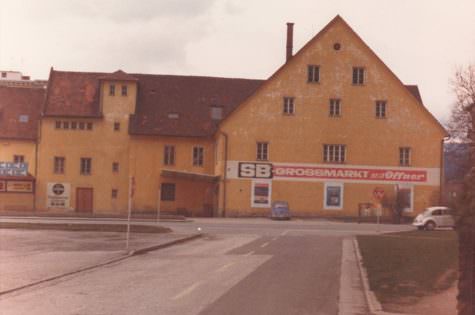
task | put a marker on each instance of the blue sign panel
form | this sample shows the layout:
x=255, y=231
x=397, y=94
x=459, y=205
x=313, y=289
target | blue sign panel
x=13, y=169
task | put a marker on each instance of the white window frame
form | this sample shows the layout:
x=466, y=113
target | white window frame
x=335, y=107
x=405, y=156
x=313, y=73
x=199, y=159
x=360, y=75
x=289, y=105
x=380, y=109
x=261, y=154
x=334, y=153
x=342, y=195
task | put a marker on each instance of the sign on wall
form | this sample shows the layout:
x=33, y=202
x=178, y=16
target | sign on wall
x=261, y=194
x=58, y=195
x=13, y=169
x=3, y=185
x=18, y=186
x=333, y=198
x=325, y=173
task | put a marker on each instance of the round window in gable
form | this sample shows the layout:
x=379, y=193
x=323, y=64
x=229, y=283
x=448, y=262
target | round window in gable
x=337, y=46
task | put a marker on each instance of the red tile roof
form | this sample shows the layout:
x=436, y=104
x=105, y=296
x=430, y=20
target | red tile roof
x=17, y=101
x=76, y=94
x=190, y=97
x=73, y=94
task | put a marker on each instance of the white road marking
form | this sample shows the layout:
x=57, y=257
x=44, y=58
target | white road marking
x=224, y=267
x=284, y=233
x=187, y=291
x=250, y=253
x=265, y=244
x=275, y=238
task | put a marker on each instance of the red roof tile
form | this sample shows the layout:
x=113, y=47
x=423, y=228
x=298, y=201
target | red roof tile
x=190, y=97
x=73, y=94
x=414, y=89
x=119, y=75
x=16, y=102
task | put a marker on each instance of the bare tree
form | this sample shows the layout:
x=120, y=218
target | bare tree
x=463, y=85
x=464, y=88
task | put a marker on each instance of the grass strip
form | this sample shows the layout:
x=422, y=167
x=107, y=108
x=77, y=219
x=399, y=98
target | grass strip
x=402, y=267
x=84, y=227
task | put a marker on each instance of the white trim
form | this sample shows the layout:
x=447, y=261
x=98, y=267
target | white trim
x=342, y=195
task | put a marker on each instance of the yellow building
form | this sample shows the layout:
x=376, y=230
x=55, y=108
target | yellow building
x=19, y=116
x=332, y=131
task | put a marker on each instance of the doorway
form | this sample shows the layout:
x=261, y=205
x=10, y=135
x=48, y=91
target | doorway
x=84, y=200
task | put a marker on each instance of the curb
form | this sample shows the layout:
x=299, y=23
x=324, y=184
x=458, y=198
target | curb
x=374, y=305
x=137, y=252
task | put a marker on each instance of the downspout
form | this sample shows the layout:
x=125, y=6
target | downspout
x=225, y=169
x=442, y=170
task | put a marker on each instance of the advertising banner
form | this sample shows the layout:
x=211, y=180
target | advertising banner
x=17, y=186
x=332, y=172
x=58, y=195
x=261, y=194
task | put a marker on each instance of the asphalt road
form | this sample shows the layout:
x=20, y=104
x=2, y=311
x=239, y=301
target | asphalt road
x=241, y=266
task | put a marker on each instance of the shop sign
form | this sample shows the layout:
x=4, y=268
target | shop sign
x=18, y=186
x=261, y=194
x=13, y=169
x=255, y=170
x=3, y=185
x=58, y=195
x=284, y=171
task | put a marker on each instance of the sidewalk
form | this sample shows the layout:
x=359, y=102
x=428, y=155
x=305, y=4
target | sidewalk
x=31, y=257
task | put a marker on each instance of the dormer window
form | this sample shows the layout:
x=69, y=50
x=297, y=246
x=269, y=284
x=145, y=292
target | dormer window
x=23, y=118
x=216, y=112
x=173, y=115
x=112, y=90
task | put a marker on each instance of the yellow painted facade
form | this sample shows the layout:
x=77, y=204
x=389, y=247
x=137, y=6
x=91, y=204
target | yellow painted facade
x=296, y=140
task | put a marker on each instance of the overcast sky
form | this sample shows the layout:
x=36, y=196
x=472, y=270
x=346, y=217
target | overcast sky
x=422, y=41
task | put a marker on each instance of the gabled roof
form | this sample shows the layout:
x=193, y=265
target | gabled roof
x=191, y=97
x=16, y=102
x=119, y=75
x=412, y=89
x=73, y=94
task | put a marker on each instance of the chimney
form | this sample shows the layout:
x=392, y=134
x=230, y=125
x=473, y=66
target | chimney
x=290, y=41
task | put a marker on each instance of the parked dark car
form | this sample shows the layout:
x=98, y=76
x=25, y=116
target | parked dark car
x=280, y=210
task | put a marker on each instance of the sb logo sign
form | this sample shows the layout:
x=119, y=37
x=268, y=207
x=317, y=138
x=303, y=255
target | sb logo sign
x=255, y=170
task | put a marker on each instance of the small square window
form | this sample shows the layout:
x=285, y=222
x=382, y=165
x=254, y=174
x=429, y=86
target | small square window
x=124, y=90
x=18, y=159
x=334, y=153
x=74, y=125
x=23, y=118
x=313, y=73
x=115, y=167
x=112, y=90
x=116, y=126
x=114, y=193
x=289, y=107
x=216, y=112
x=4, y=74
x=65, y=124
x=57, y=124
x=82, y=125
x=89, y=126
x=358, y=75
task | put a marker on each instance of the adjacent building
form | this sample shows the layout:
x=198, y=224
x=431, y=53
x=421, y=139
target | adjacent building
x=333, y=131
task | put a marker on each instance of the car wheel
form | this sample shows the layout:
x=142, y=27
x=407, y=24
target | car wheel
x=430, y=226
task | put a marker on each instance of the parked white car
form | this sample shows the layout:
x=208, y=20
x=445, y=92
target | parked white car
x=434, y=217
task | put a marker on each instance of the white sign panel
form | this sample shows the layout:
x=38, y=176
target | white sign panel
x=58, y=195
x=261, y=193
